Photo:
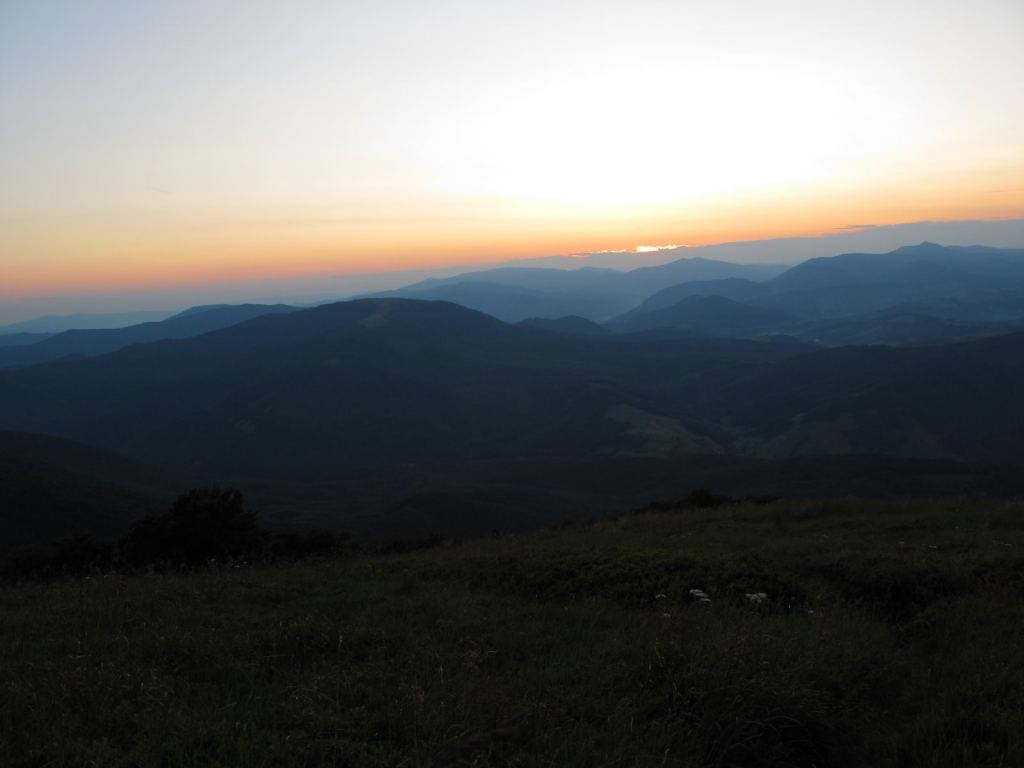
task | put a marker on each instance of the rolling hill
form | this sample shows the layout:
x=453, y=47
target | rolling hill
x=52, y=489
x=572, y=325
x=84, y=320
x=899, y=328
x=952, y=401
x=400, y=417
x=710, y=316
x=512, y=303
x=860, y=283
x=100, y=341
x=21, y=339
x=328, y=393
x=917, y=294
x=514, y=294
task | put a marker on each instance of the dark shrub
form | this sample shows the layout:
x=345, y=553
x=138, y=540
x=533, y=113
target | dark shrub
x=203, y=524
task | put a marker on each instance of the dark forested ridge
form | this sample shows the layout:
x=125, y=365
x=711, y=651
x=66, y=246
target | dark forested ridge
x=322, y=393
x=359, y=384
x=390, y=414
x=711, y=316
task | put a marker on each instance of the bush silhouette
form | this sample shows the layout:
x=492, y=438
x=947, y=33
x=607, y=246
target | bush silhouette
x=203, y=524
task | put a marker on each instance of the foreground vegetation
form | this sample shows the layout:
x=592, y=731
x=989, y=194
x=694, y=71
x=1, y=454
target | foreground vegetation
x=790, y=634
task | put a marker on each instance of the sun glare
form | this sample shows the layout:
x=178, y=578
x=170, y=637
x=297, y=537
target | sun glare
x=611, y=140
x=656, y=248
x=486, y=133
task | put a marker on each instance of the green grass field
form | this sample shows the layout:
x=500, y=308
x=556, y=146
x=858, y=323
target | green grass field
x=892, y=634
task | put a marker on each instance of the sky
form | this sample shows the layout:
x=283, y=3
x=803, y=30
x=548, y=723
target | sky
x=152, y=144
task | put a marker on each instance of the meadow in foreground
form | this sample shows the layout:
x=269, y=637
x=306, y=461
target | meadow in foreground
x=841, y=633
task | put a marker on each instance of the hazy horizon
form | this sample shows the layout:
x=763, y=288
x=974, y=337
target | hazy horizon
x=1007, y=233
x=154, y=145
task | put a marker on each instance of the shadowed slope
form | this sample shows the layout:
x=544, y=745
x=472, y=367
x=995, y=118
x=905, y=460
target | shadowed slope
x=326, y=394
x=53, y=489
x=326, y=391
x=712, y=316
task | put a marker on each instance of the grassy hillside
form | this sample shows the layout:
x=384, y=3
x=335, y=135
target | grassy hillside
x=887, y=635
x=525, y=495
x=53, y=490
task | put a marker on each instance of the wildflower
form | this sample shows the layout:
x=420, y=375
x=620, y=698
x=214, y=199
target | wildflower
x=660, y=596
x=757, y=598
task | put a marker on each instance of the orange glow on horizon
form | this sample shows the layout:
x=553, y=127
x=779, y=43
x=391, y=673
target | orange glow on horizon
x=137, y=151
x=100, y=253
x=195, y=258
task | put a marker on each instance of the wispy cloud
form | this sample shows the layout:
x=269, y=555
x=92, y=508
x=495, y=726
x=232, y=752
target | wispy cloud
x=653, y=248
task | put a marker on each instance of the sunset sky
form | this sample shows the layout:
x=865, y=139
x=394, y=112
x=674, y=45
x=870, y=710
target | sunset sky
x=152, y=143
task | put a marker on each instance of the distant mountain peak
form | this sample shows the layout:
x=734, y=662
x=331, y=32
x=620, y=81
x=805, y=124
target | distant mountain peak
x=924, y=245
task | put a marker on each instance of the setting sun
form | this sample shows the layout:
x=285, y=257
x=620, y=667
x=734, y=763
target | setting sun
x=159, y=144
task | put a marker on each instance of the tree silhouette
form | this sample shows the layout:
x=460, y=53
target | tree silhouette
x=203, y=524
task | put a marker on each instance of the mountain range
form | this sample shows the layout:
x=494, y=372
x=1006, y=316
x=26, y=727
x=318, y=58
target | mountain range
x=428, y=414
x=917, y=294
x=99, y=341
x=513, y=294
x=83, y=320
x=325, y=392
